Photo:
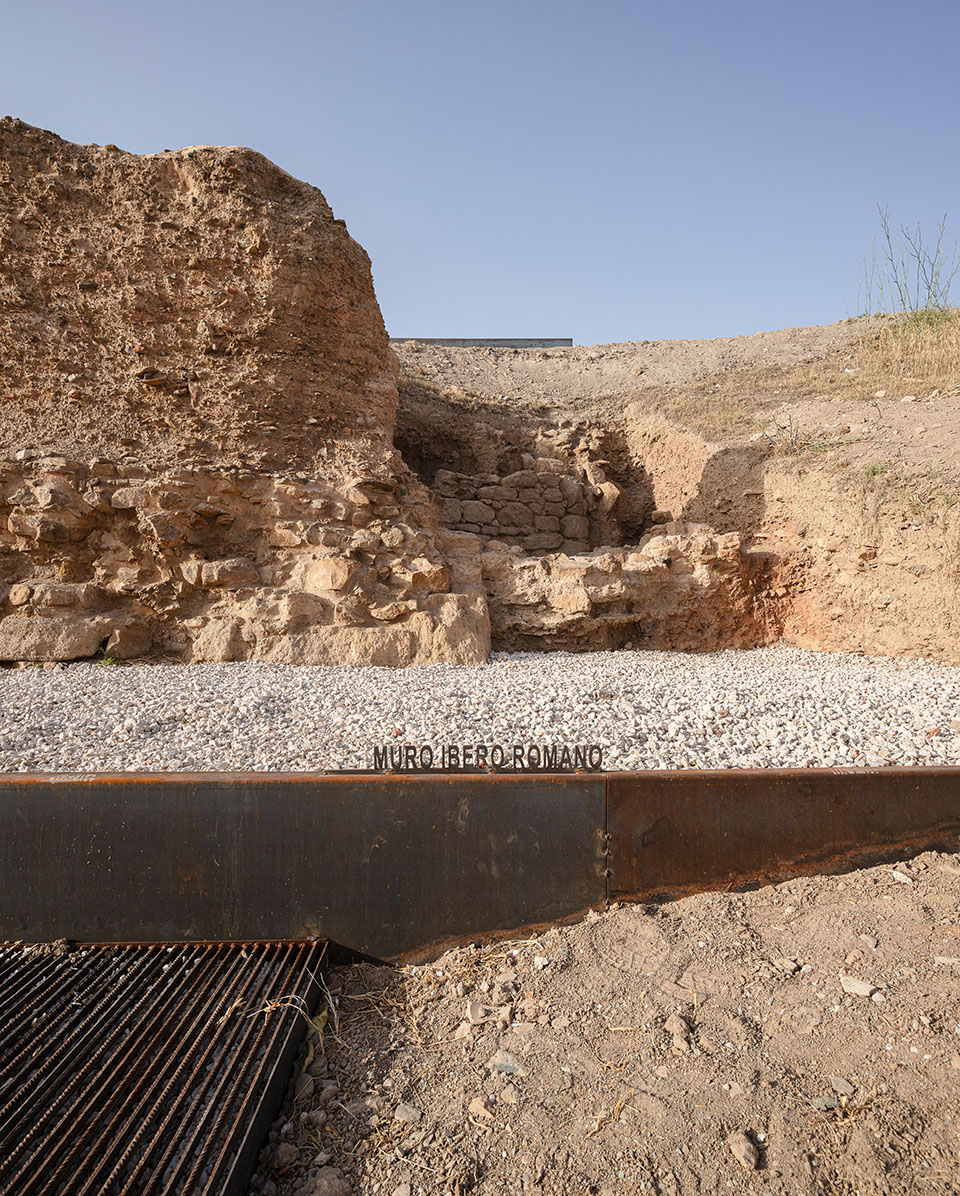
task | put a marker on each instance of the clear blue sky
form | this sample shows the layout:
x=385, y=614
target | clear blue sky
x=607, y=171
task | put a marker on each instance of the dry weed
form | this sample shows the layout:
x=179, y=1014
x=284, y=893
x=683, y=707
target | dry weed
x=919, y=350
x=892, y=356
x=787, y=437
x=622, y=1103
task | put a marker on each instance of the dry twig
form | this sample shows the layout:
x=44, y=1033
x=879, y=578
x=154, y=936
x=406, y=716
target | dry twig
x=615, y=1116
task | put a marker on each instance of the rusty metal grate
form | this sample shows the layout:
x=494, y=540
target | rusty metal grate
x=145, y=1069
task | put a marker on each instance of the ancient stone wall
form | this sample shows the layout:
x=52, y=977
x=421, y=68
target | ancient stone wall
x=542, y=509
x=197, y=405
x=199, y=460
x=224, y=565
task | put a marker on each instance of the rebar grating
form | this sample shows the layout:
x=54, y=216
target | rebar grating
x=141, y=1070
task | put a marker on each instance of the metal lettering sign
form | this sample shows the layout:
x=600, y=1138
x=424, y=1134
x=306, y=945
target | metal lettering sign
x=493, y=757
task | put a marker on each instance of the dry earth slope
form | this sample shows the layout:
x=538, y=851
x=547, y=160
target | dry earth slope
x=829, y=453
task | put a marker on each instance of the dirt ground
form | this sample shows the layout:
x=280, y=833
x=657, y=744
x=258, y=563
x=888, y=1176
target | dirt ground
x=863, y=393
x=800, y=1038
x=587, y=372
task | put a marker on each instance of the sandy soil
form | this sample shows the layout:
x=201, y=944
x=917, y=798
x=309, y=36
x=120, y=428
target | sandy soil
x=802, y=1038
x=920, y=434
x=587, y=372
x=831, y=392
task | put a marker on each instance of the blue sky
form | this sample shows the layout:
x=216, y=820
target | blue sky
x=607, y=171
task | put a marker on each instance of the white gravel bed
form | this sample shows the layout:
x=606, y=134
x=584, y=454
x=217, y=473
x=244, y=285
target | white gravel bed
x=765, y=707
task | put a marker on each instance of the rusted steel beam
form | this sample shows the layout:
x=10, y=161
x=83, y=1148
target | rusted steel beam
x=673, y=833
x=400, y=865
x=387, y=866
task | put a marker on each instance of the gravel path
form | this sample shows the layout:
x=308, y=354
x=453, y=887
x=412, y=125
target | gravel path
x=765, y=707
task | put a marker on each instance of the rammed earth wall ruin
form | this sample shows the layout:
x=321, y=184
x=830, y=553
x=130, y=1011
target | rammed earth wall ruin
x=196, y=426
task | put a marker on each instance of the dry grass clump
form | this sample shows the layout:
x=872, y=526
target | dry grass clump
x=930, y=491
x=730, y=406
x=787, y=437
x=914, y=349
x=914, y=353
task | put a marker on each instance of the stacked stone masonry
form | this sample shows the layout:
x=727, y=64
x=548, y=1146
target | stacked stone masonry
x=211, y=564
x=543, y=509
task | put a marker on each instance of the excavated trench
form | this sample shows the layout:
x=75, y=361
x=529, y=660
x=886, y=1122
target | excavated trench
x=606, y=531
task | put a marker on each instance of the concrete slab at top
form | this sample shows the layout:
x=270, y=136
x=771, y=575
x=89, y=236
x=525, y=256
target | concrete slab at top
x=557, y=342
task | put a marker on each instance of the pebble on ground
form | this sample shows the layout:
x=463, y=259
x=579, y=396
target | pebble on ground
x=763, y=707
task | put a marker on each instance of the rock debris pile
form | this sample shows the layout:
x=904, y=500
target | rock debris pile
x=697, y=591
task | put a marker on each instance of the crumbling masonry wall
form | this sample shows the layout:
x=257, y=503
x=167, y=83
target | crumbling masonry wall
x=227, y=565
x=543, y=509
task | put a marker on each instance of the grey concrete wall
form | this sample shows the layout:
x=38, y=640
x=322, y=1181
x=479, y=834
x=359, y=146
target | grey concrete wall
x=557, y=342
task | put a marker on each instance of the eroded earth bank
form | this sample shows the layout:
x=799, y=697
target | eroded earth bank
x=205, y=456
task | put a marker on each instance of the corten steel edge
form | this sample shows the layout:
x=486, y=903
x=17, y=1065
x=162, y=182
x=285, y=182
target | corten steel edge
x=398, y=866
x=382, y=865
x=673, y=833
